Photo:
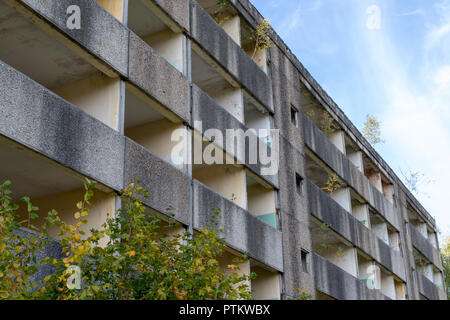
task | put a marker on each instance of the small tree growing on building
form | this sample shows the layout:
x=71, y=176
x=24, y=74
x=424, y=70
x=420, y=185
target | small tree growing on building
x=372, y=130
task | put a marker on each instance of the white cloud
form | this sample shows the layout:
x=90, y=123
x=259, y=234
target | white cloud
x=416, y=117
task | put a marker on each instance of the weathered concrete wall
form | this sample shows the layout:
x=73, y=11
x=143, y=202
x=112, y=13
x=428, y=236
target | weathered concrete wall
x=241, y=230
x=327, y=210
x=339, y=284
x=213, y=116
x=58, y=130
x=166, y=185
x=157, y=78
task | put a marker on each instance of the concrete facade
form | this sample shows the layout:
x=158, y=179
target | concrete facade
x=102, y=101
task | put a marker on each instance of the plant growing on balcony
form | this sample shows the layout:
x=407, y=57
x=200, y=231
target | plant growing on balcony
x=129, y=258
x=326, y=124
x=332, y=184
x=261, y=37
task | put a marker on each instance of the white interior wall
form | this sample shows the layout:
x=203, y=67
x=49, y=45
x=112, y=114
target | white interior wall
x=361, y=212
x=169, y=45
x=375, y=180
x=231, y=99
x=357, y=159
x=387, y=285
x=97, y=95
x=232, y=27
x=259, y=121
x=381, y=230
x=226, y=180
x=342, y=256
x=102, y=205
x=266, y=286
x=343, y=197
x=156, y=136
x=260, y=200
x=338, y=139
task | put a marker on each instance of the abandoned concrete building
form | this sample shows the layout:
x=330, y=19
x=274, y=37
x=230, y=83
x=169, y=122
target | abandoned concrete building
x=102, y=96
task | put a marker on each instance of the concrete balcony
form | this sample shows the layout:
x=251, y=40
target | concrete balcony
x=167, y=186
x=213, y=116
x=103, y=36
x=36, y=118
x=339, y=163
x=425, y=247
x=229, y=56
x=324, y=208
x=428, y=289
x=338, y=284
x=242, y=231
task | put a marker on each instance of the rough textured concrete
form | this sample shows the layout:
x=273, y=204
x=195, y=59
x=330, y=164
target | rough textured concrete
x=292, y=163
x=213, y=116
x=339, y=284
x=212, y=38
x=166, y=185
x=37, y=118
x=100, y=33
x=160, y=80
x=177, y=10
x=241, y=230
x=324, y=208
x=428, y=288
x=328, y=153
x=424, y=246
x=296, y=236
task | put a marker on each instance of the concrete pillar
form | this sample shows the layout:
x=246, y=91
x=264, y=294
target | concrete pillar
x=357, y=159
x=338, y=139
x=232, y=27
x=361, y=212
x=375, y=180
x=343, y=197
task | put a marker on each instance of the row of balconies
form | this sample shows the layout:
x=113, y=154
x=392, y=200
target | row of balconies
x=344, y=241
x=147, y=107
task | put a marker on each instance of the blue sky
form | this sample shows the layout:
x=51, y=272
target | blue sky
x=399, y=72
